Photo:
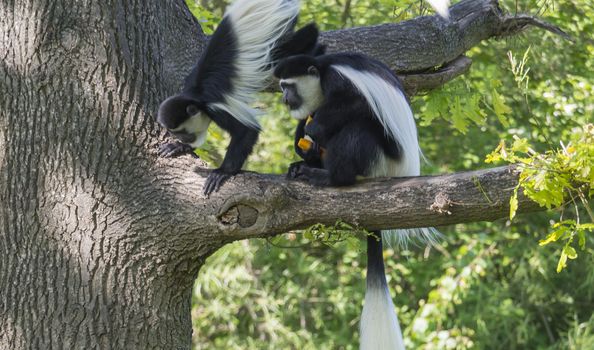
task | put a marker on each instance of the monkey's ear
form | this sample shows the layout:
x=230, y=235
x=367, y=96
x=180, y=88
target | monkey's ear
x=312, y=70
x=192, y=110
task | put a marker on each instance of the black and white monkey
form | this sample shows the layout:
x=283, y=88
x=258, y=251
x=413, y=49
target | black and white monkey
x=236, y=64
x=357, y=123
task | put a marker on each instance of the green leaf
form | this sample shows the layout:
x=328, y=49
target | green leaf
x=353, y=243
x=436, y=104
x=513, y=204
x=570, y=252
x=570, y=223
x=500, y=108
x=308, y=235
x=588, y=227
x=520, y=145
x=562, y=261
x=458, y=118
x=496, y=156
x=473, y=111
x=582, y=239
x=554, y=236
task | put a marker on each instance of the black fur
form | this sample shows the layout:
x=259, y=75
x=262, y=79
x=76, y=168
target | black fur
x=376, y=272
x=208, y=82
x=175, y=111
x=347, y=136
x=344, y=125
x=212, y=76
x=302, y=42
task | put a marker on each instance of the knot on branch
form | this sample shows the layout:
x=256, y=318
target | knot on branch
x=441, y=204
x=241, y=215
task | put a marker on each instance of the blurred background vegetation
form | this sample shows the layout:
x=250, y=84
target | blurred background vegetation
x=487, y=285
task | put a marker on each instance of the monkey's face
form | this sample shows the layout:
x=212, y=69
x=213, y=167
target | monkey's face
x=301, y=85
x=302, y=94
x=184, y=119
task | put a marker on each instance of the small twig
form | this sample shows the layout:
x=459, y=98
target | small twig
x=586, y=205
x=547, y=326
x=477, y=183
x=346, y=13
x=514, y=24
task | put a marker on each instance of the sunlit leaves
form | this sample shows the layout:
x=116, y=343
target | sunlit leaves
x=520, y=69
x=458, y=104
x=554, y=179
x=330, y=235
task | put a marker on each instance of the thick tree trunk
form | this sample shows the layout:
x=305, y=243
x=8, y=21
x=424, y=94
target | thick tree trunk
x=88, y=256
x=100, y=241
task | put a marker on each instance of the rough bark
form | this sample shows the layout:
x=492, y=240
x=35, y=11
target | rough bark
x=90, y=255
x=100, y=240
x=264, y=205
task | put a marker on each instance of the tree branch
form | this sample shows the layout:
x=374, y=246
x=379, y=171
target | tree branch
x=513, y=24
x=254, y=205
x=434, y=79
x=412, y=48
x=415, y=47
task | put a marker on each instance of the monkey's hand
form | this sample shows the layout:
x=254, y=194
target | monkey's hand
x=311, y=153
x=303, y=172
x=296, y=170
x=175, y=149
x=215, y=180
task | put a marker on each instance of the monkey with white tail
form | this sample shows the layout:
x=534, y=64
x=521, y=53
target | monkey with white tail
x=355, y=122
x=236, y=64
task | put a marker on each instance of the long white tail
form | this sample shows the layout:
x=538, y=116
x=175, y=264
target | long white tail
x=441, y=7
x=380, y=329
x=258, y=26
x=401, y=238
x=393, y=111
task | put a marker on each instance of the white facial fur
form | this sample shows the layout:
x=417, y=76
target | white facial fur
x=198, y=125
x=310, y=90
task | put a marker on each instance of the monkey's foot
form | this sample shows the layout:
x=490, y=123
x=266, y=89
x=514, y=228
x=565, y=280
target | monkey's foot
x=175, y=149
x=214, y=181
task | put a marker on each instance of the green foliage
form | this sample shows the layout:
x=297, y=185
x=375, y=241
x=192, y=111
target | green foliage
x=208, y=20
x=488, y=285
x=556, y=179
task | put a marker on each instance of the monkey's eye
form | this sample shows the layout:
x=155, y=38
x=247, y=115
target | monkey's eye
x=192, y=110
x=284, y=85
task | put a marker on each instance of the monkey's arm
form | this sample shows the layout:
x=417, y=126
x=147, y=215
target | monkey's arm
x=312, y=156
x=331, y=116
x=243, y=139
